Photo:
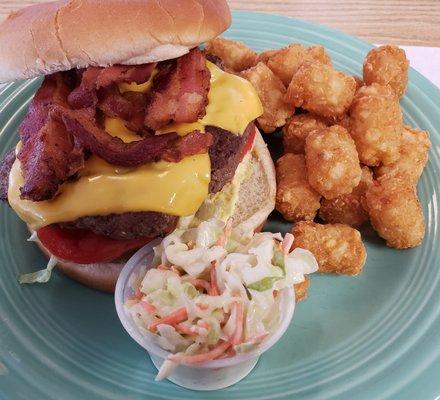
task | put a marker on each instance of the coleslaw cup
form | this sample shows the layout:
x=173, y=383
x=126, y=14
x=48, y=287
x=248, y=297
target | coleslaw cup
x=212, y=375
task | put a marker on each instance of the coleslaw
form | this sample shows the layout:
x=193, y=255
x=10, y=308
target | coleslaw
x=212, y=293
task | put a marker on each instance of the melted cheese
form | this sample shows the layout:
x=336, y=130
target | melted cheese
x=117, y=128
x=134, y=87
x=172, y=188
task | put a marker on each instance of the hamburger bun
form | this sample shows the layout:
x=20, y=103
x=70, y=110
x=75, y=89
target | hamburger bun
x=56, y=36
x=256, y=201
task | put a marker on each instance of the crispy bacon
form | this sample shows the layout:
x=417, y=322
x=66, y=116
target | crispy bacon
x=125, y=74
x=85, y=96
x=194, y=143
x=49, y=155
x=113, y=149
x=179, y=92
x=94, y=78
x=62, y=123
x=169, y=147
x=53, y=90
x=129, y=106
x=113, y=104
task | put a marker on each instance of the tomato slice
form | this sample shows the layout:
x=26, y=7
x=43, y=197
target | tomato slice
x=83, y=246
x=249, y=142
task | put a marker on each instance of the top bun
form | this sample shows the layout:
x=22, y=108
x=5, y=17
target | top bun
x=65, y=34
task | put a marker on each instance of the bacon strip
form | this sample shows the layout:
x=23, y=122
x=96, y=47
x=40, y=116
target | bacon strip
x=194, y=143
x=113, y=149
x=85, y=96
x=130, y=107
x=125, y=74
x=95, y=78
x=180, y=91
x=49, y=155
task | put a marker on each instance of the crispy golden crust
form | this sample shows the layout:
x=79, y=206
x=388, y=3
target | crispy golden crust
x=320, y=89
x=236, y=56
x=348, y=209
x=338, y=248
x=359, y=82
x=414, y=150
x=265, y=55
x=296, y=200
x=271, y=91
x=387, y=65
x=297, y=129
x=285, y=62
x=395, y=212
x=332, y=162
x=302, y=289
x=376, y=124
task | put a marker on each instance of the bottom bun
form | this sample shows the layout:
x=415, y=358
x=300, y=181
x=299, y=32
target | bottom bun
x=99, y=276
x=256, y=201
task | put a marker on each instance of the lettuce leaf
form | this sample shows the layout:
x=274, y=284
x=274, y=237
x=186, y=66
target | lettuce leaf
x=41, y=276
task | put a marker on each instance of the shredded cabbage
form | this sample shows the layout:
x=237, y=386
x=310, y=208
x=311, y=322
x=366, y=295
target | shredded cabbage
x=41, y=276
x=210, y=281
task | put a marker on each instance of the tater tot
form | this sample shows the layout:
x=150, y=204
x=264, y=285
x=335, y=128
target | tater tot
x=348, y=209
x=302, y=289
x=376, y=124
x=320, y=89
x=236, y=56
x=265, y=55
x=413, y=157
x=395, y=212
x=297, y=129
x=387, y=65
x=296, y=199
x=359, y=82
x=271, y=91
x=285, y=62
x=338, y=248
x=332, y=162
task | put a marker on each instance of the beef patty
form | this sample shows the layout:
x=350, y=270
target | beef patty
x=126, y=225
x=5, y=170
x=225, y=154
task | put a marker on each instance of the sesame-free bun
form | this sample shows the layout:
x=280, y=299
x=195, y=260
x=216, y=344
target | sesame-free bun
x=255, y=202
x=65, y=34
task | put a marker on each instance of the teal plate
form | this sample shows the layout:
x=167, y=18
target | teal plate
x=375, y=336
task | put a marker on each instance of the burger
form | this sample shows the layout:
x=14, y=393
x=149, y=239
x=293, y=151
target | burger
x=133, y=131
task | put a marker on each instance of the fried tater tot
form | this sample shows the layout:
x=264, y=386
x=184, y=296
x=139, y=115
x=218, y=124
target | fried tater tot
x=236, y=56
x=320, y=89
x=271, y=91
x=414, y=150
x=296, y=199
x=395, y=212
x=348, y=209
x=297, y=129
x=285, y=62
x=302, y=289
x=376, y=124
x=265, y=55
x=387, y=65
x=359, y=82
x=332, y=162
x=338, y=248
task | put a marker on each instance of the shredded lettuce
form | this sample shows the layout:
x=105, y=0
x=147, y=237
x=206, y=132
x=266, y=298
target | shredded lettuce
x=264, y=284
x=41, y=276
x=278, y=260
